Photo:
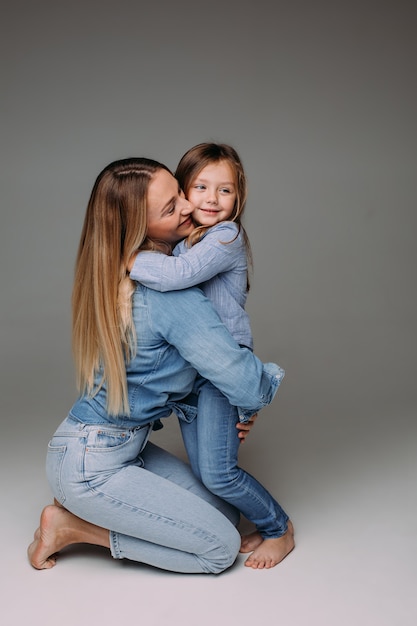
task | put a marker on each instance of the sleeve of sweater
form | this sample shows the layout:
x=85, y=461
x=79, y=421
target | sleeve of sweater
x=218, y=251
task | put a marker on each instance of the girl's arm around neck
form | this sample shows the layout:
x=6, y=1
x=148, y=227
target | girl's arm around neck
x=219, y=251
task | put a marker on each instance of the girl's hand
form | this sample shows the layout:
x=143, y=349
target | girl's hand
x=244, y=429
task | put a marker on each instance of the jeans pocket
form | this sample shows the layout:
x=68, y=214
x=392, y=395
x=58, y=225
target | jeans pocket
x=104, y=439
x=108, y=450
x=54, y=460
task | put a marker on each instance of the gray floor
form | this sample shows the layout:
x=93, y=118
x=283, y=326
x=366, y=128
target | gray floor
x=352, y=498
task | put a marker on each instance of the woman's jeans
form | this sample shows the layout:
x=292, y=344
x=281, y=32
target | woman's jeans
x=212, y=445
x=157, y=512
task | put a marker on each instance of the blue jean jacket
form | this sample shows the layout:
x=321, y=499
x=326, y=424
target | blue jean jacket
x=179, y=334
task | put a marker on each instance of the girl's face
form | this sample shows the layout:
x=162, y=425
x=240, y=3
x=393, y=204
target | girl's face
x=213, y=194
x=169, y=213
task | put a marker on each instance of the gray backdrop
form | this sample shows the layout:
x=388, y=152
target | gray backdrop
x=319, y=99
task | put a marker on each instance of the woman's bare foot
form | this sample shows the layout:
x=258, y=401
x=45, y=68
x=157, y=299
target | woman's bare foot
x=250, y=542
x=59, y=528
x=270, y=552
x=49, y=538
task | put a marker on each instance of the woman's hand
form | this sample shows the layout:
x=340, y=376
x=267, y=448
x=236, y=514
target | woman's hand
x=244, y=429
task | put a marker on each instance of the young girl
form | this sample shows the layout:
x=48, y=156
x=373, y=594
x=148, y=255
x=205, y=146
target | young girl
x=215, y=256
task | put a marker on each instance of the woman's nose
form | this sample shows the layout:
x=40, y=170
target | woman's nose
x=186, y=207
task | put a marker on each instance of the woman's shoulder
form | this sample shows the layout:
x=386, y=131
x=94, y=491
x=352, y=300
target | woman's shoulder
x=164, y=313
x=152, y=297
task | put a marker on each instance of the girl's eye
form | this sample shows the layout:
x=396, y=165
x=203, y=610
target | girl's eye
x=199, y=186
x=225, y=190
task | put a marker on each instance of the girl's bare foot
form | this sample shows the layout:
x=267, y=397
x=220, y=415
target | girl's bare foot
x=250, y=542
x=270, y=552
x=59, y=528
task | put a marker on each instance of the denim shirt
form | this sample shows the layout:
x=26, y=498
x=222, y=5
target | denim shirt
x=179, y=334
x=217, y=263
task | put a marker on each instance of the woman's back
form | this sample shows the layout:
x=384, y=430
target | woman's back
x=179, y=333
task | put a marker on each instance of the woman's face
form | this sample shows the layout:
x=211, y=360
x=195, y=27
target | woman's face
x=169, y=213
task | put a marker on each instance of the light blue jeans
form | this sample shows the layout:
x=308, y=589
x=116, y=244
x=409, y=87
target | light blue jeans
x=157, y=512
x=212, y=445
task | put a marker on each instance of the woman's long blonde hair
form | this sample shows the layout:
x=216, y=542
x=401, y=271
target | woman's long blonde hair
x=115, y=227
x=191, y=164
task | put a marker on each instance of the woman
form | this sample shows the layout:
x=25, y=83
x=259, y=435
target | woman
x=137, y=353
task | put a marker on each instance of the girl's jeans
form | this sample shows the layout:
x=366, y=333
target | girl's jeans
x=157, y=512
x=212, y=445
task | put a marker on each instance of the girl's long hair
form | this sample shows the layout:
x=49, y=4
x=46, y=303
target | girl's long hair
x=115, y=227
x=191, y=164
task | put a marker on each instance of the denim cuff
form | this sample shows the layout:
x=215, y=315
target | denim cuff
x=276, y=374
